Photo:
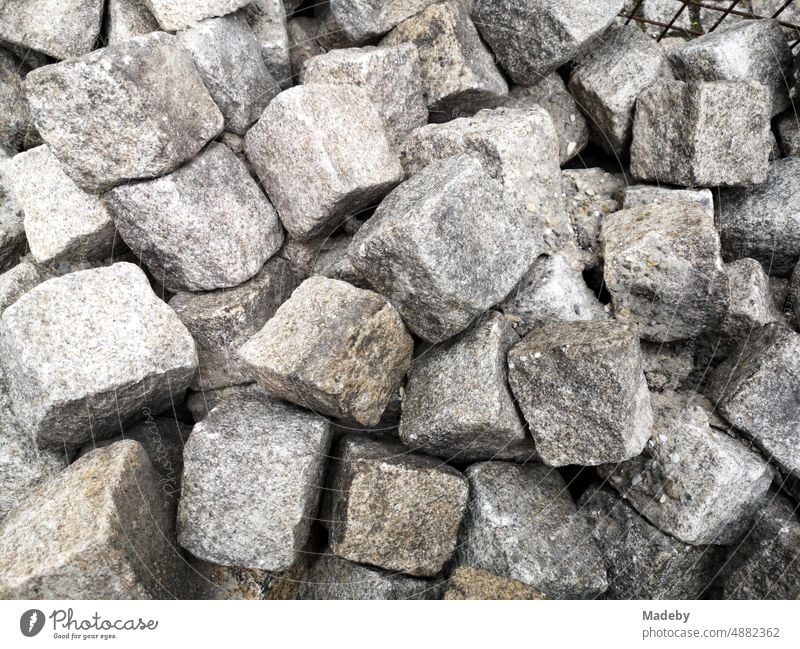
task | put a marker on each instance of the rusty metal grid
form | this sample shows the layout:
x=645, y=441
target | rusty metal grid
x=634, y=14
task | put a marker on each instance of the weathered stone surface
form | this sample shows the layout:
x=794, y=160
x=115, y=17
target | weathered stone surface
x=179, y=14
x=750, y=303
x=692, y=481
x=389, y=75
x=642, y=561
x=758, y=391
x=473, y=583
x=333, y=262
x=304, y=255
x=267, y=19
x=519, y=148
x=228, y=58
x=420, y=247
x=589, y=195
x=787, y=128
x=457, y=403
x=230, y=583
x=764, y=566
x=252, y=478
x=101, y=529
x=330, y=35
x=664, y=270
x=391, y=508
x=109, y=117
x=303, y=45
x=667, y=366
x=608, y=79
x=113, y=350
x=334, y=578
x=323, y=155
x=522, y=524
x=753, y=50
x=12, y=229
x=763, y=222
x=222, y=321
x=458, y=72
x=551, y=94
x=553, y=290
x=203, y=227
x=702, y=133
x=362, y=20
x=596, y=368
x=126, y=19
x=531, y=38
x=59, y=29
x=201, y=403
x=15, y=118
x=333, y=348
x=17, y=281
x=61, y=220
x=644, y=195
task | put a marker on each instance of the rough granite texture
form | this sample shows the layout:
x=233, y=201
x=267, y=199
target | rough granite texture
x=323, y=155
x=199, y=404
x=692, y=481
x=596, y=368
x=17, y=281
x=642, y=561
x=787, y=130
x=644, y=195
x=222, y=321
x=252, y=479
x=15, y=118
x=758, y=392
x=109, y=116
x=750, y=304
x=459, y=75
x=125, y=19
x=420, y=246
x=667, y=366
x=100, y=529
x=61, y=220
x=12, y=220
x=267, y=19
x=114, y=350
x=303, y=45
x=205, y=226
x=521, y=523
x=531, y=38
x=179, y=14
x=457, y=403
x=664, y=269
x=702, y=133
x=472, y=583
x=363, y=20
x=333, y=348
x=391, y=508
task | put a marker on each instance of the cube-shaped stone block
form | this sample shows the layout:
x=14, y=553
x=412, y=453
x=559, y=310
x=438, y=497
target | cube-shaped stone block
x=179, y=14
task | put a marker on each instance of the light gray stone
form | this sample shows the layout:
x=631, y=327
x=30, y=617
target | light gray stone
x=109, y=116
x=750, y=304
x=17, y=281
x=457, y=403
x=59, y=29
x=758, y=392
x=391, y=508
x=643, y=195
x=763, y=222
x=15, y=118
x=702, y=133
x=252, y=479
x=227, y=56
x=205, y=226
x=608, y=79
x=12, y=229
x=362, y=20
x=642, y=561
x=222, y=321
x=333, y=578
x=522, y=524
x=531, y=38
x=595, y=368
x=332, y=348
x=303, y=45
x=330, y=35
x=201, y=403
x=113, y=350
x=420, y=247
x=125, y=19
x=519, y=148
x=179, y=14
x=389, y=75
x=458, y=72
x=267, y=19
x=551, y=94
x=61, y=220
x=323, y=155
x=752, y=50
x=693, y=481
x=764, y=566
x=553, y=290
x=667, y=366
x=787, y=128
x=664, y=270
x=101, y=529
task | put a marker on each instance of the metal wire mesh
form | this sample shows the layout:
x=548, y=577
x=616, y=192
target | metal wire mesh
x=687, y=11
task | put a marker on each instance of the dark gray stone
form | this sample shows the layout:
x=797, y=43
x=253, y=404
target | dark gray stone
x=15, y=118
x=363, y=20
x=267, y=19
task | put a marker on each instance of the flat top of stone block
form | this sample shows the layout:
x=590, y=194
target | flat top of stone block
x=593, y=334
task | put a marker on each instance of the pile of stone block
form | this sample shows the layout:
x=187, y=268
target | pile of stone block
x=333, y=300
